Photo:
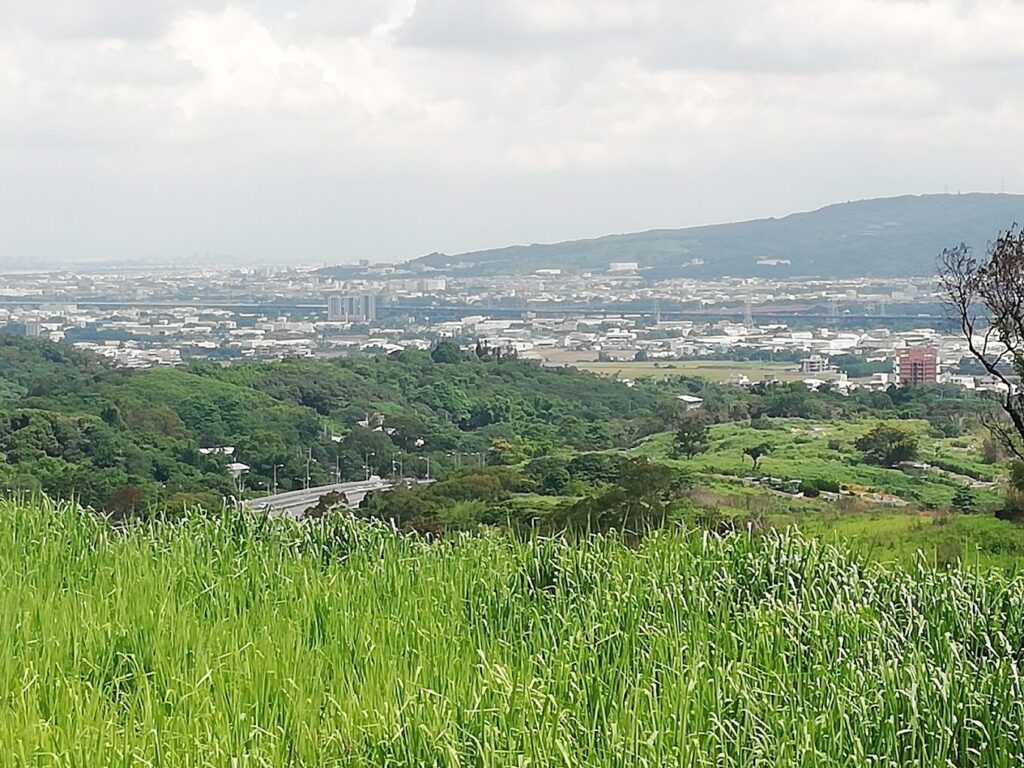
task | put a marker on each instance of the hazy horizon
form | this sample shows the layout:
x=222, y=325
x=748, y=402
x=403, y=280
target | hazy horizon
x=317, y=132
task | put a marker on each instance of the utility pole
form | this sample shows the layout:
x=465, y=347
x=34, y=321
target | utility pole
x=276, y=467
x=427, y=459
x=309, y=460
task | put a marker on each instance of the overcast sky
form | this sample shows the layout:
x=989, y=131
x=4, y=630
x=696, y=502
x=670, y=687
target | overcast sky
x=331, y=130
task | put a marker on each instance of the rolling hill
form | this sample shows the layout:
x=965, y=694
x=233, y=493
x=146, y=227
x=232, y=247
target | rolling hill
x=897, y=236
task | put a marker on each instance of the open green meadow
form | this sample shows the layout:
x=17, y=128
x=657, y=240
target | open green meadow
x=237, y=641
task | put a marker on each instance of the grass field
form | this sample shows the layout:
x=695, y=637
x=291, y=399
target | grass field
x=230, y=642
x=712, y=370
x=823, y=452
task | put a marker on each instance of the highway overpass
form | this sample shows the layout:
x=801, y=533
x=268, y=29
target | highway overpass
x=294, y=504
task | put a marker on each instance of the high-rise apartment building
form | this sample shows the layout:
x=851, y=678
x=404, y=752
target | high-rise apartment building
x=351, y=308
x=918, y=365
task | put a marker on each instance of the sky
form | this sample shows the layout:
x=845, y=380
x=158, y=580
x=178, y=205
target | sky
x=327, y=131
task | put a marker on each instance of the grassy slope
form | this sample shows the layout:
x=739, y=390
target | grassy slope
x=800, y=450
x=340, y=645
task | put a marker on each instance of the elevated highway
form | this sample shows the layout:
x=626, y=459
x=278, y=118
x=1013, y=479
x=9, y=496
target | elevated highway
x=294, y=504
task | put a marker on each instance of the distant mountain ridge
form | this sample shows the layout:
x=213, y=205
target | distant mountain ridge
x=886, y=237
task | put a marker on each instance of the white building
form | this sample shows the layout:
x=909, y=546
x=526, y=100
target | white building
x=354, y=308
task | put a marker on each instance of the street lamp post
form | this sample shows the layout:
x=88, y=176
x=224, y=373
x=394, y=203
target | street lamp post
x=276, y=467
x=427, y=459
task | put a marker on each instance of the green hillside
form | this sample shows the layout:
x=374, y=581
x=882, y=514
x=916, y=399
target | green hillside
x=72, y=425
x=885, y=237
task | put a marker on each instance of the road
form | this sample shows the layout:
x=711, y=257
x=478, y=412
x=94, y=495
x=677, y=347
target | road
x=294, y=503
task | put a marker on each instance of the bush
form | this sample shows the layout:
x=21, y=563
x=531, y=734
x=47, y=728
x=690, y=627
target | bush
x=809, y=490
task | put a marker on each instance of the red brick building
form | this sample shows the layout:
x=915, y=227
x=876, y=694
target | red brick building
x=919, y=365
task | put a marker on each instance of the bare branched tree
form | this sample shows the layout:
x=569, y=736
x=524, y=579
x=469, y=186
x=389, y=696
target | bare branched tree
x=987, y=298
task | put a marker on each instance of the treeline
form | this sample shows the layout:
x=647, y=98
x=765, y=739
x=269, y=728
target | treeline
x=71, y=425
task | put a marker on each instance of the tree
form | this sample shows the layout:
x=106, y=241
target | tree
x=964, y=501
x=125, y=502
x=551, y=473
x=641, y=500
x=887, y=445
x=503, y=451
x=991, y=450
x=448, y=352
x=692, y=437
x=993, y=286
x=757, y=452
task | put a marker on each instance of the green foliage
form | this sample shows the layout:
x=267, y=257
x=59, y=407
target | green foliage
x=435, y=508
x=640, y=500
x=550, y=473
x=448, y=352
x=1013, y=503
x=888, y=445
x=788, y=401
x=756, y=452
x=559, y=474
x=964, y=501
x=75, y=427
x=1017, y=475
x=692, y=436
x=337, y=643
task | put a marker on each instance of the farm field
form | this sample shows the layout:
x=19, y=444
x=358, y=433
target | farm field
x=712, y=370
x=234, y=641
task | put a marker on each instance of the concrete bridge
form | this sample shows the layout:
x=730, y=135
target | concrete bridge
x=294, y=504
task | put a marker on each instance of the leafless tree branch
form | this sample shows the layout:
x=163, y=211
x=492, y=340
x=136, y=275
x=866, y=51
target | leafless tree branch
x=995, y=284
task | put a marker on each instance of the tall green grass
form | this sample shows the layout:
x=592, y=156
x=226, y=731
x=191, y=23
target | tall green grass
x=236, y=641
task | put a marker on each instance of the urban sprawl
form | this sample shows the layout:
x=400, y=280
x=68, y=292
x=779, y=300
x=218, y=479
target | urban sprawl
x=840, y=333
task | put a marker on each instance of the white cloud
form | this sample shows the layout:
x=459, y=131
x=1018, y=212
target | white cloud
x=465, y=98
